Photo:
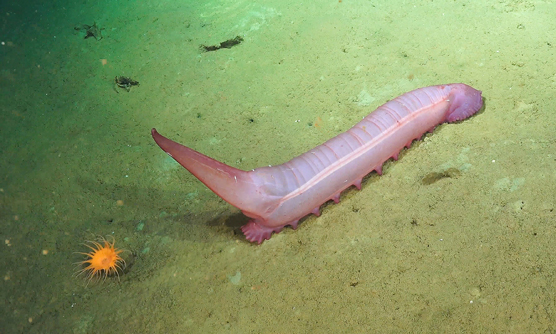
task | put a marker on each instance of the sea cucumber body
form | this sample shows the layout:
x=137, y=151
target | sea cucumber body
x=278, y=196
x=301, y=185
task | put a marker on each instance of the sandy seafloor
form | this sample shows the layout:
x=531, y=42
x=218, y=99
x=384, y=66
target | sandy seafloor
x=471, y=253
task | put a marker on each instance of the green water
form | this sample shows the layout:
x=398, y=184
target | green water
x=470, y=253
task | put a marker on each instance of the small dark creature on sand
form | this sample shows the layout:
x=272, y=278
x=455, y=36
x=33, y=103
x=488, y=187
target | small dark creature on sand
x=91, y=31
x=125, y=83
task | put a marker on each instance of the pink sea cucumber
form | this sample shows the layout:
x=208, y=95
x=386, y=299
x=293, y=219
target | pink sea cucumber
x=276, y=196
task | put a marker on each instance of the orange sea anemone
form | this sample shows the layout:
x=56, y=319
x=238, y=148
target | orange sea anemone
x=103, y=260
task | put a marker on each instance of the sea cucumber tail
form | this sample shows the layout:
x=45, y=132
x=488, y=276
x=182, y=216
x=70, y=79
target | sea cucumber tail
x=234, y=185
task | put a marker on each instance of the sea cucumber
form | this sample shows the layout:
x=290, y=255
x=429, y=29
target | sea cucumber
x=276, y=196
